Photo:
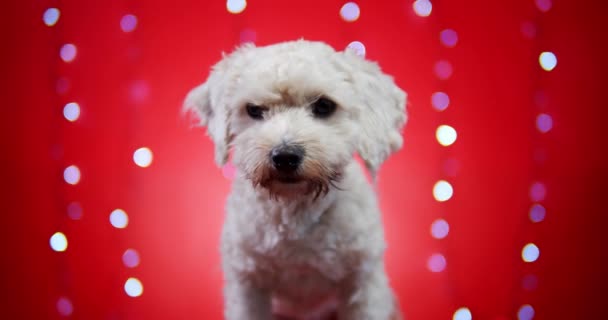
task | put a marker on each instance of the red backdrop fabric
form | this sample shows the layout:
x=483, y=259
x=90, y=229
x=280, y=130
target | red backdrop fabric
x=130, y=86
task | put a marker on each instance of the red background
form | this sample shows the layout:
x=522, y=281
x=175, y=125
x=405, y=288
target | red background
x=130, y=87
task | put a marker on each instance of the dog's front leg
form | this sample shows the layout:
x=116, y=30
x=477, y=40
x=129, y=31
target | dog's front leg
x=366, y=295
x=245, y=301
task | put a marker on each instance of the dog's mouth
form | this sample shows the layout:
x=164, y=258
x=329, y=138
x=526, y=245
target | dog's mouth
x=289, y=179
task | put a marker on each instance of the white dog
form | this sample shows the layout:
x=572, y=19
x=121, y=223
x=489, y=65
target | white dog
x=303, y=236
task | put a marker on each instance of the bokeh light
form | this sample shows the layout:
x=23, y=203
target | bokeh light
x=440, y=101
x=71, y=111
x=537, y=213
x=530, y=252
x=538, y=192
x=448, y=38
x=544, y=122
x=130, y=258
x=68, y=52
x=236, y=6
x=358, y=48
x=436, y=262
x=350, y=12
x=59, y=242
x=71, y=175
x=51, y=16
x=526, y=312
x=443, y=191
x=128, y=23
x=446, y=135
x=462, y=314
x=422, y=8
x=443, y=69
x=119, y=219
x=134, y=287
x=64, y=306
x=547, y=60
x=143, y=157
x=74, y=211
x=440, y=229
x=543, y=5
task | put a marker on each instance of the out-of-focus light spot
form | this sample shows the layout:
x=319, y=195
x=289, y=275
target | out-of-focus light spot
x=68, y=52
x=538, y=192
x=64, y=306
x=119, y=219
x=422, y=8
x=443, y=69
x=358, y=48
x=451, y=167
x=436, y=262
x=58, y=242
x=537, y=213
x=440, y=101
x=446, y=135
x=528, y=29
x=248, y=35
x=51, y=16
x=529, y=282
x=143, y=157
x=543, y=5
x=350, y=12
x=71, y=111
x=71, y=175
x=128, y=23
x=462, y=314
x=139, y=91
x=236, y=6
x=133, y=287
x=544, y=122
x=440, y=229
x=74, y=211
x=530, y=252
x=526, y=312
x=62, y=85
x=229, y=171
x=443, y=191
x=130, y=258
x=448, y=38
x=547, y=60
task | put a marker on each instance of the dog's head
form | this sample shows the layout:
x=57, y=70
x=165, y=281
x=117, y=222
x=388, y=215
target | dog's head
x=295, y=113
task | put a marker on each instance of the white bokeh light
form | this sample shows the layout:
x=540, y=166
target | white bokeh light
x=526, y=312
x=422, y=8
x=440, y=229
x=71, y=111
x=134, y=287
x=51, y=16
x=443, y=191
x=143, y=157
x=350, y=12
x=462, y=314
x=128, y=23
x=547, y=60
x=119, y=219
x=446, y=135
x=436, y=262
x=68, y=52
x=236, y=6
x=357, y=47
x=530, y=252
x=58, y=242
x=71, y=175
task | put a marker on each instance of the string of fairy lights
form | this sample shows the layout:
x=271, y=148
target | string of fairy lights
x=71, y=112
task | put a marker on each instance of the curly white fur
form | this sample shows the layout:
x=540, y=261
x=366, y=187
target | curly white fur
x=303, y=249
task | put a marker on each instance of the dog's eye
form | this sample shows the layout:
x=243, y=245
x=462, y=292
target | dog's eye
x=323, y=108
x=255, y=112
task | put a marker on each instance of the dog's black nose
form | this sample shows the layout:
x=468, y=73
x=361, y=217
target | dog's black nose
x=287, y=158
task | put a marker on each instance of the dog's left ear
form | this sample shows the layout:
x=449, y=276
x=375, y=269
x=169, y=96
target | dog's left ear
x=382, y=110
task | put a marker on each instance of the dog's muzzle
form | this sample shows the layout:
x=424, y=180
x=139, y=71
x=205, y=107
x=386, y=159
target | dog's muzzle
x=286, y=159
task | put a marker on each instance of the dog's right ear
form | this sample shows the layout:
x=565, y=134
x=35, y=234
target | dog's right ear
x=211, y=114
